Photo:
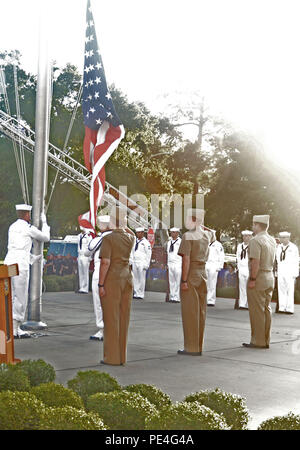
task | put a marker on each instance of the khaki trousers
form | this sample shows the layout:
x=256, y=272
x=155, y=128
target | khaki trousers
x=116, y=315
x=260, y=315
x=193, y=311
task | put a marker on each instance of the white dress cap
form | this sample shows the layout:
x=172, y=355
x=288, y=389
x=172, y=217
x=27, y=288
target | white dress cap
x=262, y=219
x=23, y=207
x=103, y=219
x=175, y=229
x=247, y=233
x=284, y=234
x=139, y=229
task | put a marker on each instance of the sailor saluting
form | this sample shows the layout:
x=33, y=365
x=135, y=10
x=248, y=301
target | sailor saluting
x=20, y=236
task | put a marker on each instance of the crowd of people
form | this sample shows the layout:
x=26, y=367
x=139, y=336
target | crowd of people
x=195, y=261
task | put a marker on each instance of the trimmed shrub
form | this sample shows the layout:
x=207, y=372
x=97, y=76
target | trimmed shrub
x=89, y=382
x=38, y=371
x=288, y=422
x=20, y=411
x=51, y=283
x=56, y=395
x=232, y=406
x=155, y=396
x=69, y=418
x=122, y=410
x=13, y=378
x=66, y=283
x=226, y=292
x=187, y=416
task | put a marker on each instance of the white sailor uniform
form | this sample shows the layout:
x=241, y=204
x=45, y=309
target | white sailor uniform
x=243, y=270
x=214, y=264
x=140, y=259
x=287, y=257
x=174, y=268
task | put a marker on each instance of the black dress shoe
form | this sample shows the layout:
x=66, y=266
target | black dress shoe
x=209, y=304
x=279, y=312
x=254, y=346
x=184, y=352
x=95, y=338
x=242, y=307
x=288, y=312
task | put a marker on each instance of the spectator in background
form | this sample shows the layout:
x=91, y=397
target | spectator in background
x=49, y=266
x=230, y=276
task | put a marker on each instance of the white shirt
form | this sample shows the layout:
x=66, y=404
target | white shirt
x=216, y=255
x=173, y=257
x=83, y=244
x=94, y=247
x=20, y=236
x=290, y=264
x=142, y=255
x=242, y=263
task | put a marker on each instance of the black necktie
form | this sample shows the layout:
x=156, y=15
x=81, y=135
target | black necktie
x=244, y=252
x=282, y=255
x=80, y=242
x=136, y=245
x=171, y=249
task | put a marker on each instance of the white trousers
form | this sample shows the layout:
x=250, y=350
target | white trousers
x=212, y=278
x=243, y=280
x=83, y=273
x=286, y=289
x=139, y=279
x=19, y=286
x=174, y=280
x=96, y=299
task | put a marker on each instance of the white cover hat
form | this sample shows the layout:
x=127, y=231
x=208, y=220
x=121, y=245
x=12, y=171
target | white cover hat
x=23, y=207
x=139, y=229
x=284, y=234
x=103, y=219
x=247, y=233
x=175, y=229
x=262, y=219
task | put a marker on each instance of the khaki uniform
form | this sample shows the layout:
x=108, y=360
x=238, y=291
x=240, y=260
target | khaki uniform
x=193, y=301
x=118, y=294
x=262, y=247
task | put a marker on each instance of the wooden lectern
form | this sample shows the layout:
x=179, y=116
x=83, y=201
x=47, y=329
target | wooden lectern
x=6, y=320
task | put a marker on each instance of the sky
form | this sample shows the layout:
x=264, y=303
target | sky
x=241, y=55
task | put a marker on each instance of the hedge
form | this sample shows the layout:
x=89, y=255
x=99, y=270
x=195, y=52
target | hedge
x=56, y=395
x=38, y=371
x=187, y=416
x=155, y=396
x=68, y=418
x=20, y=411
x=89, y=382
x=122, y=410
x=13, y=378
x=288, y=422
x=232, y=406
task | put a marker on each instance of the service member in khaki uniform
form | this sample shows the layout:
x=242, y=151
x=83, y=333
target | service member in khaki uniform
x=262, y=252
x=115, y=290
x=193, y=291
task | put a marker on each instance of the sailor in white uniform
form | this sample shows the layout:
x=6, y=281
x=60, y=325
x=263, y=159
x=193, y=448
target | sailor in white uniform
x=20, y=236
x=287, y=256
x=83, y=261
x=214, y=264
x=103, y=223
x=140, y=259
x=243, y=268
x=174, y=265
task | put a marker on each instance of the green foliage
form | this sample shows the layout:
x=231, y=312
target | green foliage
x=122, y=410
x=68, y=418
x=89, y=382
x=56, y=283
x=38, y=371
x=20, y=411
x=226, y=292
x=155, y=396
x=187, y=416
x=56, y=395
x=51, y=283
x=232, y=406
x=156, y=285
x=13, y=378
x=288, y=422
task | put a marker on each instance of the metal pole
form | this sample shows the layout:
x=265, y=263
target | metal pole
x=40, y=174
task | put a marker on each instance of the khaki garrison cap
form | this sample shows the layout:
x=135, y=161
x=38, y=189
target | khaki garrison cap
x=262, y=219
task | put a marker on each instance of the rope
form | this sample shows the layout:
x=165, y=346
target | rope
x=66, y=142
x=6, y=101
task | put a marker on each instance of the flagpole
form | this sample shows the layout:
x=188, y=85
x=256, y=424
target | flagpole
x=40, y=171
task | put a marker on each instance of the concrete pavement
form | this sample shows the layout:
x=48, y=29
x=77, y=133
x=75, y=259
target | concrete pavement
x=268, y=379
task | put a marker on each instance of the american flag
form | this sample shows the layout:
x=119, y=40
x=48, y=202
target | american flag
x=103, y=128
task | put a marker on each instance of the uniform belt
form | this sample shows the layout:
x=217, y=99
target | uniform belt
x=198, y=263
x=266, y=270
